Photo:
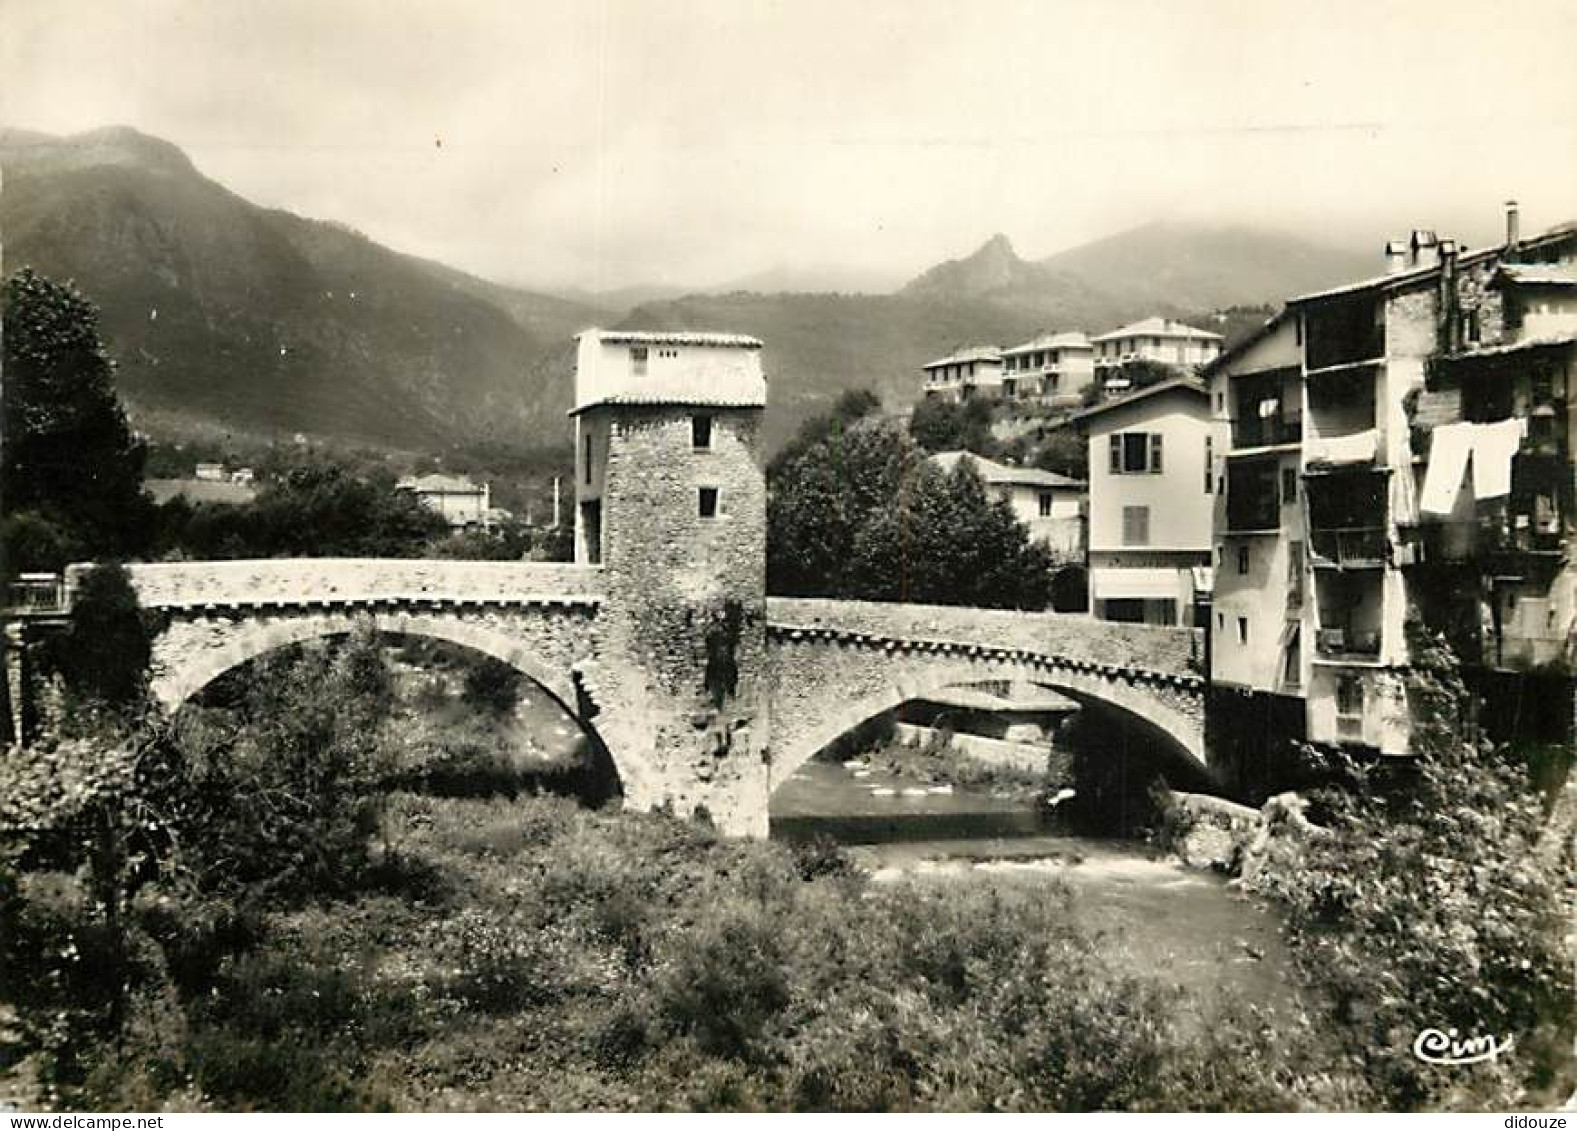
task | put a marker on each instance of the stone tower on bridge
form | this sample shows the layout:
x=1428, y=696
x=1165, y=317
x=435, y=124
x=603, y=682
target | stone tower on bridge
x=671, y=507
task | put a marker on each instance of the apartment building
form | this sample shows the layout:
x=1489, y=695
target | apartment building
x=1150, y=503
x=1156, y=339
x=1398, y=447
x=965, y=375
x=1050, y=369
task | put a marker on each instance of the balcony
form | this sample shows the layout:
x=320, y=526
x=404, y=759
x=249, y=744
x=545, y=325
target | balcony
x=1258, y=432
x=1348, y=645
x=1349, y=547
x=35, y=595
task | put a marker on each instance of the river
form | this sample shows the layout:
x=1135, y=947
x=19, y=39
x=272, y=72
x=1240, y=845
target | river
x=1154, y=916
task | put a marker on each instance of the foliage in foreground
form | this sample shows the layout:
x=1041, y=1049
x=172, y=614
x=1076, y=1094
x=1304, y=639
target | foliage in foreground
x=1441, y=899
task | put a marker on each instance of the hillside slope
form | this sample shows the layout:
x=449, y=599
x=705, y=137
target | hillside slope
x=224, y=313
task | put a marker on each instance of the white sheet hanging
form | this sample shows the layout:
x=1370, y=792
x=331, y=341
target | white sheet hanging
x=1449, y=448
x=1494, y=445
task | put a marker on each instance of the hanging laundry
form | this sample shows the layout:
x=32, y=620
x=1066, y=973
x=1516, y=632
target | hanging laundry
x=1494, y=445
x=1450, y=447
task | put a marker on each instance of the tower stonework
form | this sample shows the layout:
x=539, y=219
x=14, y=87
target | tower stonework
x=671, y=504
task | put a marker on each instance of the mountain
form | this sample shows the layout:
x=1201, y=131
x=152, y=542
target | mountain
x=1185, y=266
x=221, y=312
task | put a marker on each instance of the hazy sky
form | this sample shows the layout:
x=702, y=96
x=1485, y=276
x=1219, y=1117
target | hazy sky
x=608, y=142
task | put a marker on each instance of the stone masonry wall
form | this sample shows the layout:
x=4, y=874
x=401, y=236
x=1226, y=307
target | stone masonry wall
x=677, y=682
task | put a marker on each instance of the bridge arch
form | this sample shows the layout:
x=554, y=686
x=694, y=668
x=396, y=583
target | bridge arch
x=180, y=672
x=1171, y=728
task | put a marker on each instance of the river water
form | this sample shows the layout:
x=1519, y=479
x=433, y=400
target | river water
x=1153, y=916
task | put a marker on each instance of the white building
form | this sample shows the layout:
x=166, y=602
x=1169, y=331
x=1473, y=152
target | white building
x=1153, y=339
x=1053, y=369
x=1052, y=506
x=965, y=375
x=1150, y=492
x=460, y=501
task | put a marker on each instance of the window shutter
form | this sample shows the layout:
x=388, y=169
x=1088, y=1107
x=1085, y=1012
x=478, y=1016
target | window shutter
x=1116, y=449
x=1155, y=453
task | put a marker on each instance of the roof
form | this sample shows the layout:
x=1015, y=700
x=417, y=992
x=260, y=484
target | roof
x=1157, y=327
x=1175, y=384
x=1403, y=279
x=432, y=484
x=674, y=338
x=200, y=490
x=971, y=353
x=690, y=397
x=1513, y=347
x=993, y=472
x=1067, y=339
x=1538, y=274
x=1260, y=333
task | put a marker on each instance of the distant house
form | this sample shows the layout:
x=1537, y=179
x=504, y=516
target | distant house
x=211, y=472
x=200, y=491
x=1052, y=506
x=1052, y=369
x=1153, y=339
x=965, y=375
x=1151, y=496
x=460, y=501
x=243, y=475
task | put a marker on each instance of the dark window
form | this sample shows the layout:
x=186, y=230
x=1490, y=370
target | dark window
x=1242, y=559
x=1349, y=697
x=1210, y=460
x=1292, y=671
x=1242, y=630
x=708, y=502
x=1045, y=504
x=1135, y=453
x=1289, y=485
x=587, y=459
x=701, y=432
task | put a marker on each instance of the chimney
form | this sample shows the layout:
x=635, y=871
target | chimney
x=1395, y=257
x=1513, y=227
x=1449, y=328
x=1424, y=248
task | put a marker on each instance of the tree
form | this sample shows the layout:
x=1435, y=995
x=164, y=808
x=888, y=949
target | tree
x=862, y=514
x=71, y=477
x=104, y=653
x=942, y=426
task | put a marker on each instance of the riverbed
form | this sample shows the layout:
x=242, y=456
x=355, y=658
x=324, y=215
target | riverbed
x=1154, y=916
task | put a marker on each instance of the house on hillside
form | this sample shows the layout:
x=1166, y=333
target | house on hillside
x=1052, y=506
x=1150, y=495
x=965, y=375
x=1152, y=339
x=461, y=502
x=1051, y=369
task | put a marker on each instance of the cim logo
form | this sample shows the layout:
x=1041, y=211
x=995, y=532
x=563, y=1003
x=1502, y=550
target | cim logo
x=1435, y=1047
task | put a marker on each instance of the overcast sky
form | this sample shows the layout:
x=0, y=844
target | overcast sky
x=610, y=142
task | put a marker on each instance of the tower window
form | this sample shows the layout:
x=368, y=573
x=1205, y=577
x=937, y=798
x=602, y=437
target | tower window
x=638, y=360
x=707, y=502
x=701, y=432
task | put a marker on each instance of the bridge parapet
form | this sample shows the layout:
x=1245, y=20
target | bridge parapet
x=292, y=582
x=1167, y=652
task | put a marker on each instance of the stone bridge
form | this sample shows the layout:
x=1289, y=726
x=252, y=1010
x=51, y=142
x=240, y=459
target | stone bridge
x=828, y=665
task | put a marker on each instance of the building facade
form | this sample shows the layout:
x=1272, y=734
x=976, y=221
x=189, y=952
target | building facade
x=1052, y=507
x=1052, y=369
x=461, y=502
x=671, y=505
x=1160, y=340
x=969, y=374
x=1400, y=450
x=1150, y=503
